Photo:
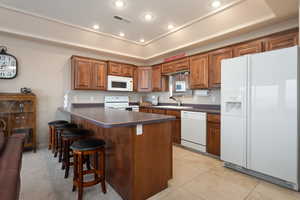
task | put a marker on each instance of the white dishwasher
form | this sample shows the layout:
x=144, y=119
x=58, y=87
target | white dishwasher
x=193, y=130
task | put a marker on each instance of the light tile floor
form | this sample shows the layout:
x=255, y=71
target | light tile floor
x=196, y=177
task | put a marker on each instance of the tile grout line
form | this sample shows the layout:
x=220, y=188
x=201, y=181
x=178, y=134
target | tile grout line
x=251, y=191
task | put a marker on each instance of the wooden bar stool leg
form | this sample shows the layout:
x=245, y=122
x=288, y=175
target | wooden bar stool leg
x=56, y=143
x=102, y=168
x=80, y=175
x=75, y=177
x=64, y=155
x=67, y=165
x=53, y=139
x=60, y=154
x=50, y=138
x=88, y=163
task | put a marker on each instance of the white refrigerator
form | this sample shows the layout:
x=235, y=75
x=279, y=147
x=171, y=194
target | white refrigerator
x=259, y=115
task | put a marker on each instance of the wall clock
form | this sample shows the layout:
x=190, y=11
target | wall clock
x=8, y=64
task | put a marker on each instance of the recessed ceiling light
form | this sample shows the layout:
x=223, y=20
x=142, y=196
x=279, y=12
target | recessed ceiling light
x=96, y=27
x=216, y=4
x=142, y=40
x=148, y=17
x=170, y=26
x=121, y=34
x=119, y=4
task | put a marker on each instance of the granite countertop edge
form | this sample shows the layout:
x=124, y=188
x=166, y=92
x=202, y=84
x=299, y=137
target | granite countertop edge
x=112, y=125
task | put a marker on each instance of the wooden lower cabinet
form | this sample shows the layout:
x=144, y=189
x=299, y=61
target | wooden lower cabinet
x=213, y=143
x=176, y=124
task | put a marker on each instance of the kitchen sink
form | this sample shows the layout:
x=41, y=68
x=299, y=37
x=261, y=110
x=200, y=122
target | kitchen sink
x=173, y=107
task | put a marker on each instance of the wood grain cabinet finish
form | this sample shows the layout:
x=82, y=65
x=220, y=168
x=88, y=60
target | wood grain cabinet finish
x=114, y=69
x=135, y=78
x=144, y=79
x=213, y=134
x=99, y=74
x=199, y=71
x=176, y=66
x=256, y=46
x=127, y=70
x=120, y=69
x=282, y=41
x=159, y=81
x=88, y=74
x=215, y=59
x=176, y=125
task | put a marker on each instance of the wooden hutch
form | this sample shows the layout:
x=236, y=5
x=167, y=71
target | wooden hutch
x=18, y=116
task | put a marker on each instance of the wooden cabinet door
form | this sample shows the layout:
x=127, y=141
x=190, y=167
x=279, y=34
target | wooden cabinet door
x=168, y=68
x=199, y=71
x=127, y=70
x=81, y=73
x=176, y=125
x=213, y=138
x=215, y=59
x=158, y=111
x=144, y=79
x=135, y=79
x=156, y=78
x=114, y=69
x=282, y=41
x=99, y=75
x=182, y=64
x=248, y=48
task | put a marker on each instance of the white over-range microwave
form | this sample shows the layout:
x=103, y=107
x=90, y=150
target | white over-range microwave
x=119, y=83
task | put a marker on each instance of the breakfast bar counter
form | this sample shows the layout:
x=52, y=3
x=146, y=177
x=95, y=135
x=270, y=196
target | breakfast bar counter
x=138, y=148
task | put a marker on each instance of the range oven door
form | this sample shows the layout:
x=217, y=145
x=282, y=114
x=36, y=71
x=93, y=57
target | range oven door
x=119, y=83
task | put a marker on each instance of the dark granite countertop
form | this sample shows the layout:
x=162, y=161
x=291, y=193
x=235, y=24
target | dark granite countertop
x=108, y=118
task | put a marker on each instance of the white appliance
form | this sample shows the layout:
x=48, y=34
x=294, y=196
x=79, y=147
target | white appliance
x=259, y=115
x=120, y=103
x=119, y=83
x=193, y=130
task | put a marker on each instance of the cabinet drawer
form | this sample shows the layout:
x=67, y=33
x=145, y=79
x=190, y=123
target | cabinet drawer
x=158, y=111
x=175, y=113
x=214, y=118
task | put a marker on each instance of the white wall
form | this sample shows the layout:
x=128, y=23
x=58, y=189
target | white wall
x=46, y=69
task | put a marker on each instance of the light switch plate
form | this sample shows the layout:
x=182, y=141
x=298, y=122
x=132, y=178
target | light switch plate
x=139, y=129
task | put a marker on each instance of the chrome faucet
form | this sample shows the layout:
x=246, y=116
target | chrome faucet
x=179, y=103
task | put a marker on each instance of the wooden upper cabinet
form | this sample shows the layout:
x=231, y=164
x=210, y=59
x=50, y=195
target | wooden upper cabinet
x=282, y=41
x=176, y=66
x=127, y=70
x=114, y=68
x=182, y=64
x=159, y=82
x=88, y=74
x=99, y=75
x=199, y=71
x=81, y=73
x=167, y=68
x=215, y=58
x=120, y=69
x=256, y=46
x=144, y=79
x=135, y=78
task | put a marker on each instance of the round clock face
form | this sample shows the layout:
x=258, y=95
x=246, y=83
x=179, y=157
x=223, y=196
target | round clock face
x=8, y=66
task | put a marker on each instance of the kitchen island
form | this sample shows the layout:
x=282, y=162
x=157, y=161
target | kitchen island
x=138, y=148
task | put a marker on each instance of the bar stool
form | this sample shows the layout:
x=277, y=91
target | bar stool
x=69, y=136
x=83, y=148
x=52, y=131
x=59, y=131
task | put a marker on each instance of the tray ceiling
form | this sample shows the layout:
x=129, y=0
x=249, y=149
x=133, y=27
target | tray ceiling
x=86, y=14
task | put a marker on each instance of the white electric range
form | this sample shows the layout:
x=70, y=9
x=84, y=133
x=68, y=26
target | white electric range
x=120, y=103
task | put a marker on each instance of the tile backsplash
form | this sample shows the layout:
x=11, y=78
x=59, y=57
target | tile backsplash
x=74, y=96
x=213, y=97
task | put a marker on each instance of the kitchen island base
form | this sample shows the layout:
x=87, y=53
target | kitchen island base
x=137, y=166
